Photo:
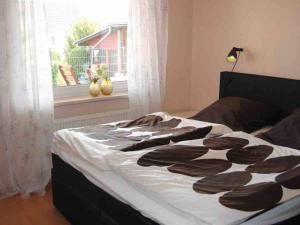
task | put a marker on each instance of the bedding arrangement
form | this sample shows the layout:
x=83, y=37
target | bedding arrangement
x=202, y=171
x=97, y=143
x=216, y=180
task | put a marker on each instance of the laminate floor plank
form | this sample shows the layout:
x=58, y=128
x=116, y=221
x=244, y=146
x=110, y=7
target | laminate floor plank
x=37, y=210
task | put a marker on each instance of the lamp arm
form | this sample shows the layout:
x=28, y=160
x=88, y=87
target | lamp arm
x=238, y=49
x=237, y=59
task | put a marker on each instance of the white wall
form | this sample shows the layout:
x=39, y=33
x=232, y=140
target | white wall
x=179, y=63
x=268, y=30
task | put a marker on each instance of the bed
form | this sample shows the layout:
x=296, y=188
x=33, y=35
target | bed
x=106, y=198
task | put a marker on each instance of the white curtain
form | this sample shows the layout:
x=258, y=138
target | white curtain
x=147, y=55
x=26, y=100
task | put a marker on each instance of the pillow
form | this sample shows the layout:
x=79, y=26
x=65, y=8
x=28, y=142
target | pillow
x=240, y=114
x=286, y=132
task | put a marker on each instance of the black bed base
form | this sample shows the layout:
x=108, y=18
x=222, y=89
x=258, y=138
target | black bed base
x=83, y=203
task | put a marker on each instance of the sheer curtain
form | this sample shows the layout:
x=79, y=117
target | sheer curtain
x=26, y=100
x=147, y=55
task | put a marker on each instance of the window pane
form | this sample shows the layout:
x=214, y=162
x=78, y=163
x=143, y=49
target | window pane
x=84, y=34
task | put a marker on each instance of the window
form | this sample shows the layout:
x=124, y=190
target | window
x=82, y=35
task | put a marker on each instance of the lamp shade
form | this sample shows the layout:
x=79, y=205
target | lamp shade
x=232, y=56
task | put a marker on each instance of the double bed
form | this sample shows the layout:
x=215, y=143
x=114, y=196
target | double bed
x=87, y=192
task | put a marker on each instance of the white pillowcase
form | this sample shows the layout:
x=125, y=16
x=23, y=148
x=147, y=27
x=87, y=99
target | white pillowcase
x=262, y=130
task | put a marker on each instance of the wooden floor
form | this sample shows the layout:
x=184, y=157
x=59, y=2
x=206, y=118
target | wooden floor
x=37, y=210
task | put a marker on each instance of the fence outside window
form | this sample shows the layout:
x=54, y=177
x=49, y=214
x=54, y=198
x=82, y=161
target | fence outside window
x=83, y=58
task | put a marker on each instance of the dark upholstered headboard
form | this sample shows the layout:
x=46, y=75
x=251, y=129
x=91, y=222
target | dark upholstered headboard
x=281, y=92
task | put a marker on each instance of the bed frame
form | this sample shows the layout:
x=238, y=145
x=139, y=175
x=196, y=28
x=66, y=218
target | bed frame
x=281, y=92
x=83, y=203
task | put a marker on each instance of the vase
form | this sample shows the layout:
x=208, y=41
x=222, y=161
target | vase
x=95, y=88
x=106, y=87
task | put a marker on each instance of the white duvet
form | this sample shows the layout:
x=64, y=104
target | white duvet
x=94, y=144
x=264, y=175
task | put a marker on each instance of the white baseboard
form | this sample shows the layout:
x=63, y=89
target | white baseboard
x=91, y=119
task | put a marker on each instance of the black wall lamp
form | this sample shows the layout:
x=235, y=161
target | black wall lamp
x=234, y=55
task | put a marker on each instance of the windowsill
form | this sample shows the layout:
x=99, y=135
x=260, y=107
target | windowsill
x=86, y=99
x=81, y=91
